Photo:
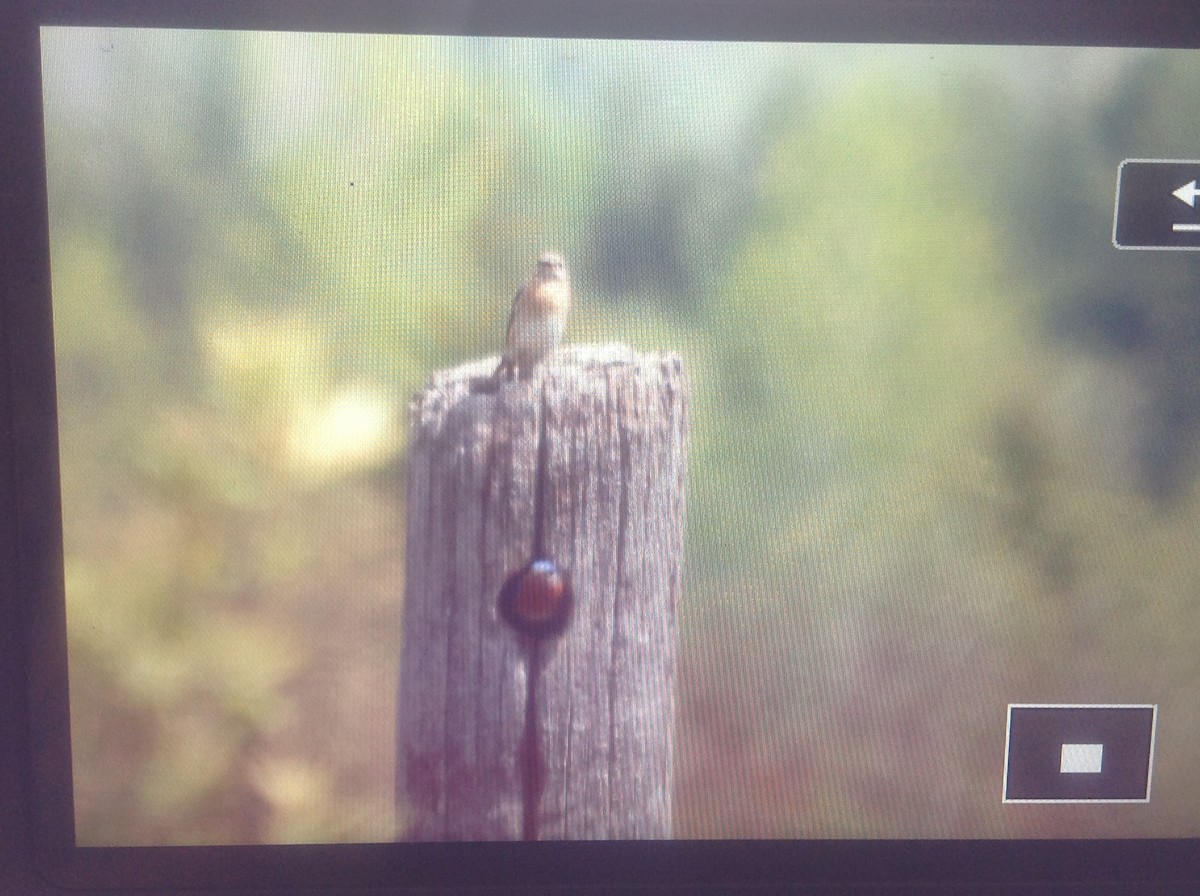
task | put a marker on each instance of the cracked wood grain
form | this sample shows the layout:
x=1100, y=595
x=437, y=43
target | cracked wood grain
x=615, y=425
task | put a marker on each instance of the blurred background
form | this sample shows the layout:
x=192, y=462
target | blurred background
x=944, y=436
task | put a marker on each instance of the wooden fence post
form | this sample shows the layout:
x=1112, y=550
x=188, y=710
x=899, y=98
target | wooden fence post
x=597, y=439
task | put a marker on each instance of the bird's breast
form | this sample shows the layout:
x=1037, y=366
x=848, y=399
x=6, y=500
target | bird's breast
x=552, y=297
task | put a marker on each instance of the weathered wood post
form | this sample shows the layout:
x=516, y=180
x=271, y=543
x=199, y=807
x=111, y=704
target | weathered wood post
x=596, y=439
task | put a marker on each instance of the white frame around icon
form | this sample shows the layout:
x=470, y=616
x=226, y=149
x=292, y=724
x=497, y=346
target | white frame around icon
x=1117, y=209
x=1153, y=707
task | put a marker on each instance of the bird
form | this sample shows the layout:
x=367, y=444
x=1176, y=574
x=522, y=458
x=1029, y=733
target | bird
x=537, y=319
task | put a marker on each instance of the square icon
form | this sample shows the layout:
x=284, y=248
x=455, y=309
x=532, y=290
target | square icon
x=1157, y=204
x=1079, y=753
x=1081, y=759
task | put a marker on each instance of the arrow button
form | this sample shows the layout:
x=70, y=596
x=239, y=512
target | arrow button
x=1148, y=213
x=1187, y=193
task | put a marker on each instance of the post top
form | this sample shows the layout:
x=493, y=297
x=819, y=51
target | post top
x=467, y=395
x=572, y=360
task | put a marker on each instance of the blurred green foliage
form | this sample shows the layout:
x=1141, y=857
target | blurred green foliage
x=944, y=434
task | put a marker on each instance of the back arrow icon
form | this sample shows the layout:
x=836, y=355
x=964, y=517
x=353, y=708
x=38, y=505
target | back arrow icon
x=1187, y=193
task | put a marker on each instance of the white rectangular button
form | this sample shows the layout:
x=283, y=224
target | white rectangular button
x=1081, y=759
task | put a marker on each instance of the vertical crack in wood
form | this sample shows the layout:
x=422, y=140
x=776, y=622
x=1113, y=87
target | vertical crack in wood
x=539, y=483
x=486, y=608
x=622, y=525
x=532, y=765
x=532, y=771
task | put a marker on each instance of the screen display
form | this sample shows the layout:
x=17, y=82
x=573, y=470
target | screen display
x=937, y=318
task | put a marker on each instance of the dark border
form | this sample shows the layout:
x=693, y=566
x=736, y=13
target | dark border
x=36, y=819
x=1153, y=23
x=623, y=866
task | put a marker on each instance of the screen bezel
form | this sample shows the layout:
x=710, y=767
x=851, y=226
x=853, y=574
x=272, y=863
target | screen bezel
x=36, y=722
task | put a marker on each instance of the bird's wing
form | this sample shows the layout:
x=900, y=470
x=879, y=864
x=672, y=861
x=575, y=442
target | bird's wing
x=512, y=312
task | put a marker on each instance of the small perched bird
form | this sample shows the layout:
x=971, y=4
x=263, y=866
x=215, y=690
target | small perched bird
x=538, y=317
